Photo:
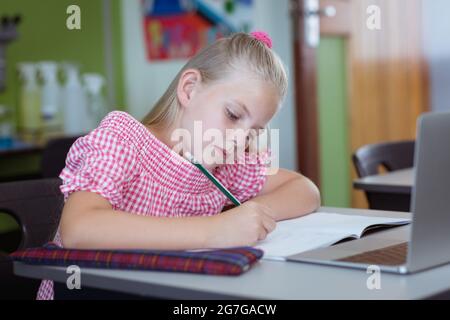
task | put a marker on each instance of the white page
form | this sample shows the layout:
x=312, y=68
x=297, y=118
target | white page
x=316, y=230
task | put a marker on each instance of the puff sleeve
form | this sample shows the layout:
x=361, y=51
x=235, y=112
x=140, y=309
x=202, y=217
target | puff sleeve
x=100, y=162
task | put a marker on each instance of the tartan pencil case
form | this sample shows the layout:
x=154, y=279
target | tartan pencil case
x=228, y=261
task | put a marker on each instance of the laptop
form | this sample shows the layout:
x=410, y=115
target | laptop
x=426, y=242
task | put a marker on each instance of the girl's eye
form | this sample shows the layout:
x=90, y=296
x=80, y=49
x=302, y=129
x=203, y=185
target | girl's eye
x=231, y=115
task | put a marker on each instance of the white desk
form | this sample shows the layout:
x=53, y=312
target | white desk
x=400, y=181
x=389, y=191
x=266, y=280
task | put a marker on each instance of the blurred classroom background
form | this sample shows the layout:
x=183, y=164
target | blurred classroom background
x=361, y=71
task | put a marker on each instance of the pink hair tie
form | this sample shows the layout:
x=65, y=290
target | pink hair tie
x=263, y=37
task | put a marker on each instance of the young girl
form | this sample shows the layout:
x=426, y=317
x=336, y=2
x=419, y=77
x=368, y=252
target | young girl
x=125, y=187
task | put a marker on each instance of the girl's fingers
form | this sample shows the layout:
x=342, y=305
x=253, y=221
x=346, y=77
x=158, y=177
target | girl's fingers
x=262, y=234
x=269, y=223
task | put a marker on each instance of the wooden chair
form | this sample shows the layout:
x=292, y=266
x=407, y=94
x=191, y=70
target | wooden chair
x=391, y=156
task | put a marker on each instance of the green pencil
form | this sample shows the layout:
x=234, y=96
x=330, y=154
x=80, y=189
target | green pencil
x=213, y=179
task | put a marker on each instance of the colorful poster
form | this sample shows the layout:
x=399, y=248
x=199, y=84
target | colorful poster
x=177, y=29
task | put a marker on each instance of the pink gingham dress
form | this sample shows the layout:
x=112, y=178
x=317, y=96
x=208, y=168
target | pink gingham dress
x=125, y=163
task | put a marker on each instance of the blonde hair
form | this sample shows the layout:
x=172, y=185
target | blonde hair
x=216, y=61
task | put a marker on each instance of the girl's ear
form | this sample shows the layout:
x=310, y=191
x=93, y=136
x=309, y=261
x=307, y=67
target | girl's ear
x=189, y=82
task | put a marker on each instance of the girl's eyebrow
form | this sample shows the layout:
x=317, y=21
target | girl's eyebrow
x=243, y=106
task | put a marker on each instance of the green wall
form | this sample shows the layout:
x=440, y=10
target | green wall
x=333, y=122
x=7, y=224
x=44, y=36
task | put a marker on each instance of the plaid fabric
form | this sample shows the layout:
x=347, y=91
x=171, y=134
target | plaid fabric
x=231, y=261
x=122, y=161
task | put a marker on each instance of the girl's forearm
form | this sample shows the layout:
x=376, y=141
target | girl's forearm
x=295, y=198
x=109, y=229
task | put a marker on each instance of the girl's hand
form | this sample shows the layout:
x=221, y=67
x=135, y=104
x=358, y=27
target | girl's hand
x=241, y=226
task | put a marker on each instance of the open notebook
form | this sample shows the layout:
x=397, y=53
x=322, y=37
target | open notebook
x=318, y=230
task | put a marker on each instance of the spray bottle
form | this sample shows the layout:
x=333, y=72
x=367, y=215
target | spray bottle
x=29, y=112
x=50, y=99
x=97, y=106
x=74, y=102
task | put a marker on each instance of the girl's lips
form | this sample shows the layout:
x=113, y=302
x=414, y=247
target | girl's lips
x=222, y=150
x=225, y=153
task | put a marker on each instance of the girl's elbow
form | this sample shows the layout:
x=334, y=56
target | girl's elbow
x=71, y=233
x=68, y=240
x=314, y=202
x=69, y=237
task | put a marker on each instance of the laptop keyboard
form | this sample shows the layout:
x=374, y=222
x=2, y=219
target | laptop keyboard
x=389, y=256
